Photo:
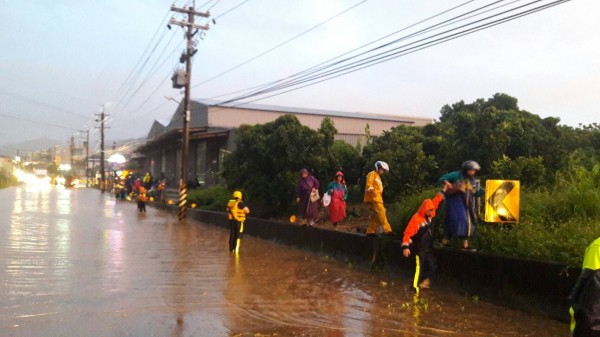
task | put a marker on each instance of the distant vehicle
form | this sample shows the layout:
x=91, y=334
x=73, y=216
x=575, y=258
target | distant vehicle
x=40, y=172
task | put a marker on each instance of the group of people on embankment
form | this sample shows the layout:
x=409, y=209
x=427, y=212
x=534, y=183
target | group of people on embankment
x=460, y=189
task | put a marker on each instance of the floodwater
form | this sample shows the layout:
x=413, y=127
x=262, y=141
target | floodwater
x=77, y=263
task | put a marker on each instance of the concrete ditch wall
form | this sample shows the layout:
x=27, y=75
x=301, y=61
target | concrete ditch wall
x=530, y=285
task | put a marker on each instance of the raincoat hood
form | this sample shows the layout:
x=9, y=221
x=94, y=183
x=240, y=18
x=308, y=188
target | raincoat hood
x=426, y=206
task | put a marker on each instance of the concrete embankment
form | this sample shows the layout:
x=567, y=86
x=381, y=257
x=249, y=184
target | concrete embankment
x=533, y=286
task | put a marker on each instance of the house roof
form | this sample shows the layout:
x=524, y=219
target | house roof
x=319, y=112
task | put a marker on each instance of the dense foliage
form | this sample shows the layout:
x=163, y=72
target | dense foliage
x=557, y=165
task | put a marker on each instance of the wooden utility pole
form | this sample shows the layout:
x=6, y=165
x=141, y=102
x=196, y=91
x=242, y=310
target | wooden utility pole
x=191, y=29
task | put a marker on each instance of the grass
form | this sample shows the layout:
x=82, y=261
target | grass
x=557, y=223
x=211, y=199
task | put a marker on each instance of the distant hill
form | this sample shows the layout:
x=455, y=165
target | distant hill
x=29, y=145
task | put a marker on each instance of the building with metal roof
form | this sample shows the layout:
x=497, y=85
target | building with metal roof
x=212, y=133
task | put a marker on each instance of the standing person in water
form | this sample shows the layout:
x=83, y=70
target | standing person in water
x=339, y=193
x=374, y=197
x=418, y=240
x=306, y=189
x=236, y=214
x=461, y=189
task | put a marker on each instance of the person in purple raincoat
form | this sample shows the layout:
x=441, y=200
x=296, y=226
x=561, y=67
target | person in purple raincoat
x=306, y=186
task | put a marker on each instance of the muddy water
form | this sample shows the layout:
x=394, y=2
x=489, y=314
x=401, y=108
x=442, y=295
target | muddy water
x=77, y=263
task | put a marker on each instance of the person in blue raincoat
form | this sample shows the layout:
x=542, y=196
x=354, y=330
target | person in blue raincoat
x=585, y=296
x=461, y=218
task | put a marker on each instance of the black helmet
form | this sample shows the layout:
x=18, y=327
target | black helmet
x=471, y=165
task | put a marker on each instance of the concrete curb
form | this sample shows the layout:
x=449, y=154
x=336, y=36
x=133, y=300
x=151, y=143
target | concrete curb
x=530, y=285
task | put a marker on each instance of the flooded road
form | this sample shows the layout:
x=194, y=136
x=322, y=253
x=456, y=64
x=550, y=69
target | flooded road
x=77, y=263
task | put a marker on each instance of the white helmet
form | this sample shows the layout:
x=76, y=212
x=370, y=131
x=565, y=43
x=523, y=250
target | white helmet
x=382, y=165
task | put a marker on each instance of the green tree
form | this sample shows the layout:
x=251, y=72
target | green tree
x=529, y=170
x=266, y=162
x=402, y=149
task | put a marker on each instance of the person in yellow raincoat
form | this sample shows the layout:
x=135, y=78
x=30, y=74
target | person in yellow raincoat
x=236, y=214
x=373, y=197
x=585, y=296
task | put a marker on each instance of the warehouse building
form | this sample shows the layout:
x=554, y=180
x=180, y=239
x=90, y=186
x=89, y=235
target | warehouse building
x=212, y=134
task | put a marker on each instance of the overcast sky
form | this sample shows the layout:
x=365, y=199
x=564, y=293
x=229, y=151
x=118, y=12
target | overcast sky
x=61, y=59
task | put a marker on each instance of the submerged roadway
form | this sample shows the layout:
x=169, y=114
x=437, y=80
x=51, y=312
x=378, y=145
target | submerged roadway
x=74, y=262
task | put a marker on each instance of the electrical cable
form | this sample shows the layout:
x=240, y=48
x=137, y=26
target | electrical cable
x=122, y=86
x=38, y=122
x=348, y=52
x=230, y=10
x=425, y=45
x=316, y=68
x=280, y=44
x=46, y=105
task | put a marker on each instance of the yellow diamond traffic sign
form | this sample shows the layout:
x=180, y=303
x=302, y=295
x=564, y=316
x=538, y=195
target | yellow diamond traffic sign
x=502, y=200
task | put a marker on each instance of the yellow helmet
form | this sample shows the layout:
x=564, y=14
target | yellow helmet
x=237, y=195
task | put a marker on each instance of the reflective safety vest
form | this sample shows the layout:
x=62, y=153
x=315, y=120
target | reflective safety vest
x=234, y=212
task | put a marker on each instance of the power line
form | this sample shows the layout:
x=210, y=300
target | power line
x=414, y=48
x=348, y=52
x=122, y=86
x=139, y=70
x=38, y=122
x=230, y=10
x=152, y=70
x=304, y=74
x=280, y=44
x=46, y=105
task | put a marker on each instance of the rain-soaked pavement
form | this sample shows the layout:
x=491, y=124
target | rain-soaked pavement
x=77, y=263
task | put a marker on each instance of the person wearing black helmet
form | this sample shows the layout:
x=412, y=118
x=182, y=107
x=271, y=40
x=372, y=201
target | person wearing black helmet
x=461, y=189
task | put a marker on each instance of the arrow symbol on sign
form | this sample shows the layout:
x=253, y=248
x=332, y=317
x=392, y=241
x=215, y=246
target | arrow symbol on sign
x=497, y=201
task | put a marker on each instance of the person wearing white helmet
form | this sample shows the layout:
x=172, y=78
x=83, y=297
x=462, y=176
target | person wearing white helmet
x=373, y=196
x=461, y=189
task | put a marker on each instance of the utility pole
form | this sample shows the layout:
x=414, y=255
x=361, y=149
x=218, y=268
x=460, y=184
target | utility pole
x=191, y=29
x=72, y=148
x=102, y=127
x=87, y=157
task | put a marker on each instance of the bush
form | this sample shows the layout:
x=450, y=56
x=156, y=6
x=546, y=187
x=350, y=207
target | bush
x=211, y=199
x=400, y=212
x=530, y=171
x=563, y=243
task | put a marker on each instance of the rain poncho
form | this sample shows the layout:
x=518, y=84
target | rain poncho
x=461, y=218
x=585, y=296
x=337, y=206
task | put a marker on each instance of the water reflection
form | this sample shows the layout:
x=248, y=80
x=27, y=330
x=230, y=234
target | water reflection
x=77, y=261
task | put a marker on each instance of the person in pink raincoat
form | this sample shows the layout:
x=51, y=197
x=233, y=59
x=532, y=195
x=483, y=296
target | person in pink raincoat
x=337, y=206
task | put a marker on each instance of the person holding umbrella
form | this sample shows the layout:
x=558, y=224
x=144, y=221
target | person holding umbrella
x=337, y=192
x=307, y=195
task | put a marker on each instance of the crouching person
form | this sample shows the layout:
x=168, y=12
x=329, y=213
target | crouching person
x=418, y=240
x=236, y=213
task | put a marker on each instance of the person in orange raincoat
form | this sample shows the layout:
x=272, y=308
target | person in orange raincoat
x=418, y=239
x=142, y=199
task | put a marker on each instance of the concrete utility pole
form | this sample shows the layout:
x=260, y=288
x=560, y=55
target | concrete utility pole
x=72, y=148
x=102, y=127
x=87, y=157
x=191, y=30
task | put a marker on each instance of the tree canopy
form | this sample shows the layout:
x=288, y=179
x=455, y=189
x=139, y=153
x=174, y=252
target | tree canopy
x=507, y=141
